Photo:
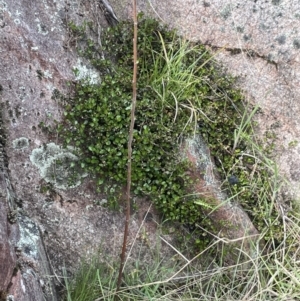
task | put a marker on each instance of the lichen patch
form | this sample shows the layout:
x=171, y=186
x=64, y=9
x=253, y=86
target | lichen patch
x=57, y=165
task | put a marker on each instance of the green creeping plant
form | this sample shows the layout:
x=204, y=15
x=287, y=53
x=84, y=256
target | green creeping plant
x=181, y=90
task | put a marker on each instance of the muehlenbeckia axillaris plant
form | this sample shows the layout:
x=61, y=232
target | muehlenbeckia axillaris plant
x=181, y=89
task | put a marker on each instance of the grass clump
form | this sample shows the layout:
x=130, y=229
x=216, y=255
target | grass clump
x=271, y=275
x=96, y=280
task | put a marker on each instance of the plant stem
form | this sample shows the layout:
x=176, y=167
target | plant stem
x=132, y=117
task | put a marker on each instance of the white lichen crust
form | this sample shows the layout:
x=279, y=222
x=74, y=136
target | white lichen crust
x=57, y=165
x=20, y=143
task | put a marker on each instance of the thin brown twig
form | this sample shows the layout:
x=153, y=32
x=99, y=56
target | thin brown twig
x=132, y=117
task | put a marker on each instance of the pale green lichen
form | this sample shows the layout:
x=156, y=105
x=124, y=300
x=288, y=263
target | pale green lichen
x=226, y=11
x=60, y=171
x=57, y=166
x=20, y=143
x=40, y=156
x=83, y=72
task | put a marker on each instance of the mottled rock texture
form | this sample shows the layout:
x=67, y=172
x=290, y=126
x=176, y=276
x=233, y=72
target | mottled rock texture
x=37, y=58
x=33, y=63
x=47, y=227
x=7, y=254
